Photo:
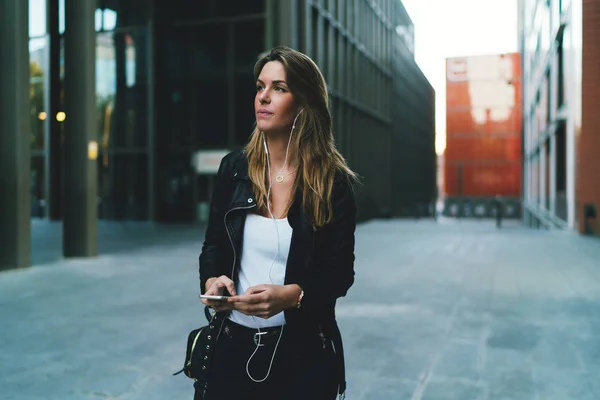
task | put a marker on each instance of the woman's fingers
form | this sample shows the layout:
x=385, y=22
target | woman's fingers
x=224, y=282
x=216, y=288
x=217, y=305
x=262, y=301
x=230, y=286
x=247, y=299
x=254, y=307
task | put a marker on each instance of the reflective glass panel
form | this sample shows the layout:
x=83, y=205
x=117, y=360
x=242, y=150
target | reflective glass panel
x=37, y=18
x=122, y=89
x=37, y=55
x=122, y=186
x=37, y=188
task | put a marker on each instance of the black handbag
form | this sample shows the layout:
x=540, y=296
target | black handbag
x=199, y=350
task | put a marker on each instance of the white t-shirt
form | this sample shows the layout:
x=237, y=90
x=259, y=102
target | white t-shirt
x=262, y=262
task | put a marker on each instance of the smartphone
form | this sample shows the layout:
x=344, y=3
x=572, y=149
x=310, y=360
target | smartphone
x=207, y=297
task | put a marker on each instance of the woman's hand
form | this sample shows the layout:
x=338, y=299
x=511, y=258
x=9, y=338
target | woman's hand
x=264, y=301
x=214, y=287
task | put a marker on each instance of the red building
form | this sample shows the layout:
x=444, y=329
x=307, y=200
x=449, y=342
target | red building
x=483, y=135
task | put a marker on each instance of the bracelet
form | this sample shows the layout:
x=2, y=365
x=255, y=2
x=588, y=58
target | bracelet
x=299, y=303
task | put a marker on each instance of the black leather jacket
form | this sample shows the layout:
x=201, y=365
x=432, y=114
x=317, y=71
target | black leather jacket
x=320, y=261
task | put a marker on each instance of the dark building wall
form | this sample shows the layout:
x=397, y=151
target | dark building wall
x=414, y=161
x=351, y=42
x=413, y=157
x=383, y=106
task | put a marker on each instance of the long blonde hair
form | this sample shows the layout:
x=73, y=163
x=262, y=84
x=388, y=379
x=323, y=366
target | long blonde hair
x=318, y=160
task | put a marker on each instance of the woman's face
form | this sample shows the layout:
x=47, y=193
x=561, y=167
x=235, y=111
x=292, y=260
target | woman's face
x=274, y=105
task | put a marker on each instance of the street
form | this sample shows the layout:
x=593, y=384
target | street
x=446, y=310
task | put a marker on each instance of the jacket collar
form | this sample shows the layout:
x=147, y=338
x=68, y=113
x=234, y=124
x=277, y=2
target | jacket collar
x=240, y=167
x=242, y=198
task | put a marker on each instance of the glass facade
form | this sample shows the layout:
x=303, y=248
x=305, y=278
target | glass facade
x=37, y=66
x=122, y=130
x=122, y=100
x=204, y=93
x=412, y=112
x=552, y=51
x=122, y=81
x=176, y=76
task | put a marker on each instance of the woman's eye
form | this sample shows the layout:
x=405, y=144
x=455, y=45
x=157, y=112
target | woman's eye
x=276, y=88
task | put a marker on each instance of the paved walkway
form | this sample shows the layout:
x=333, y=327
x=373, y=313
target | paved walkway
x=447, y=310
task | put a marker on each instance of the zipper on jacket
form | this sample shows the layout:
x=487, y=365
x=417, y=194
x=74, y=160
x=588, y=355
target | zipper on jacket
x=229, y=234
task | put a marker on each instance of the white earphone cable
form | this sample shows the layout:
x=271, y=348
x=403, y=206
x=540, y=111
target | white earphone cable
x=258, y=344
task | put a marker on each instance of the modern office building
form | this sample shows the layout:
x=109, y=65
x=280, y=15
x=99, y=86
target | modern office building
x=413, y=167
x=129, y=105
x=561, y=98
x=483, y=135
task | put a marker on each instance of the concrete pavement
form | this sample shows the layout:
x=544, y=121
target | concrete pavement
x=447, y=310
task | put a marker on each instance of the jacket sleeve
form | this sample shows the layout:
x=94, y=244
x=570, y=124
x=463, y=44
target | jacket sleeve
x=209, y=257
x=334, y=272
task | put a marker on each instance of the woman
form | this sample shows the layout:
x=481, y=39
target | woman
x=280, y=242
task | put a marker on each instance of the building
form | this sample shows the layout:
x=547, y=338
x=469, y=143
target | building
x=482, y=159
x=561, y=99
x=441, y=170
x=133, y=102
x=412, y=147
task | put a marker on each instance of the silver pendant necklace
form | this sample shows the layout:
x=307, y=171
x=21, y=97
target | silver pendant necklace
x=281, y=177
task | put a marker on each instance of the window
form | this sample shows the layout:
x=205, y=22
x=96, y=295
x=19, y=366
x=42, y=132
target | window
x=237, y=7
x=38, y=49
x=37, y=18
x=37, y=54
x=122, y=186
x=122, y=89
x=560, y=90
x=561, y=172
x=111, y=14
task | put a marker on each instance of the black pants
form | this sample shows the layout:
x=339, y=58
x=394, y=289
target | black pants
x=304, y=366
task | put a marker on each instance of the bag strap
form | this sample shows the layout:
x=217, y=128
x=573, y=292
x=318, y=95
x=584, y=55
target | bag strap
x=207, y=313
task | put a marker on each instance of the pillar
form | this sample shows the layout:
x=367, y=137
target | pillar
x=80, y=236
x=15, y=133
x=52, y=129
